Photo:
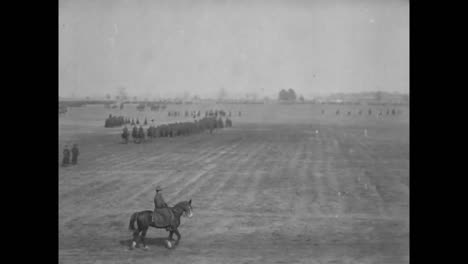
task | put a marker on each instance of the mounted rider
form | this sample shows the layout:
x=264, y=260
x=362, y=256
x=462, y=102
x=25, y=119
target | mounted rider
x=162, y=215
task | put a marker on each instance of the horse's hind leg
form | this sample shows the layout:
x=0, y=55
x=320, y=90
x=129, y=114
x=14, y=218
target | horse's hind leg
x=170, y=235
x=135, y=238
x=143, y=235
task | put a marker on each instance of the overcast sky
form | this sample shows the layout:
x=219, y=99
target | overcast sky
x=168, y=48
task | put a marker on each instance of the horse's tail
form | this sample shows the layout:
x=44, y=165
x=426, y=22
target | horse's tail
x=131, y=225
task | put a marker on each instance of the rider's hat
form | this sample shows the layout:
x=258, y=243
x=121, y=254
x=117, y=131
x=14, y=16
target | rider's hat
x=158, y=188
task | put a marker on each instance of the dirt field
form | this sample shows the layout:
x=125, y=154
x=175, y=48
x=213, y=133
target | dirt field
x=268, y=190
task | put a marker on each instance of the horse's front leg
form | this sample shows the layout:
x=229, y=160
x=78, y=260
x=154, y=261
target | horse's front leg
x=178, y=235
x=170, y=235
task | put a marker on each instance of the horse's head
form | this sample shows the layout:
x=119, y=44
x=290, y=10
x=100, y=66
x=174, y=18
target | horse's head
x=186, y=207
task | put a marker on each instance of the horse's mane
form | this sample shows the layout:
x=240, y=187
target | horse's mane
x=180, y=204
x=179, y=207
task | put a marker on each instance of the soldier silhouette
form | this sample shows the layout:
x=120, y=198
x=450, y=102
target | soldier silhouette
x=75, y=153
x=66, y=156
x=162, y=215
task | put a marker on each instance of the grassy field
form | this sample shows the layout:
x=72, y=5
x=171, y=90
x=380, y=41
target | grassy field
x=285, y=184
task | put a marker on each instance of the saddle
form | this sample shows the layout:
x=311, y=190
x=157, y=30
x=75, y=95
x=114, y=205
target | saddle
x=163, y=217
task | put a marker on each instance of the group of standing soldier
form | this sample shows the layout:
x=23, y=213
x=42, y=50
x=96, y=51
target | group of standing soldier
x=116, y=121
x=74, y=155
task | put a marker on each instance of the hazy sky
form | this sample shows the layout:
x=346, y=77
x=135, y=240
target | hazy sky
x=168, y=48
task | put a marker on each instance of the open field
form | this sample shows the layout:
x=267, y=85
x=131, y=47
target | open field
x=268, y=190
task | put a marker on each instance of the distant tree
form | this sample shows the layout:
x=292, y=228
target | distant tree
x=292, y=95
x=135, y=98
x=87, y=98
x=283, y=95
x=108, y=96
x=301, y=98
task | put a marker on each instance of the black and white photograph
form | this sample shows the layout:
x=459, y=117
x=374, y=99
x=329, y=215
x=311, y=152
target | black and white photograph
x=233, y=131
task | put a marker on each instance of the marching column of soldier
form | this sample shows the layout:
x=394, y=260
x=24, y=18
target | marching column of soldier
x=213, y=120
x=175, y=129
x=369, y=112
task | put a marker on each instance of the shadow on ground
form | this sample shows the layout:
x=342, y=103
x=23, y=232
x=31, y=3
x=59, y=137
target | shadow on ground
x=157, y=241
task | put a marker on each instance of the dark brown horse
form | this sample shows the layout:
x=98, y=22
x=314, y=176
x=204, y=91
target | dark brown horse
x=144, y=221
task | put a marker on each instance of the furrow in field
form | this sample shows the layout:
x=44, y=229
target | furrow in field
x=183, y=185
x=306, y=194
x=321, y=173
x=271, y=185
x=393, y=194
x=208, y=172
x=296, y=175
x=229, y=195
x=247, y=187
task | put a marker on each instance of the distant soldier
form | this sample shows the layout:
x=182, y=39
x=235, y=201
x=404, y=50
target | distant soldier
x=146, y=122
x=149, y=132
x=141, y=134
x=135, y=134
x=75, y=152
x=370, y=112
x=66, y=156
x=393, y=111
x=133, y=122
x=220, y=123
x=138, y=122
x=323, y=111
x=337, y=112
x=125, y=134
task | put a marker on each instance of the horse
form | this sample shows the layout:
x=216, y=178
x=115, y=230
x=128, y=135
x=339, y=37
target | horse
x=144, y=221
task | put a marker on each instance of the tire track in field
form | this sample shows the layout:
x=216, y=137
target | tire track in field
x=209, y=193
x=194, y=183
x=391, y=192
x=297, y=187
x=224, y=180
x=271, y=184
x=169, y=180
x=314, y=173
x=322, y=173
x=248, y=185
x=316, y=152
x=354, y=197
x=207, y=161
x=304, y=185
x=228, y=195
x=256, y=171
